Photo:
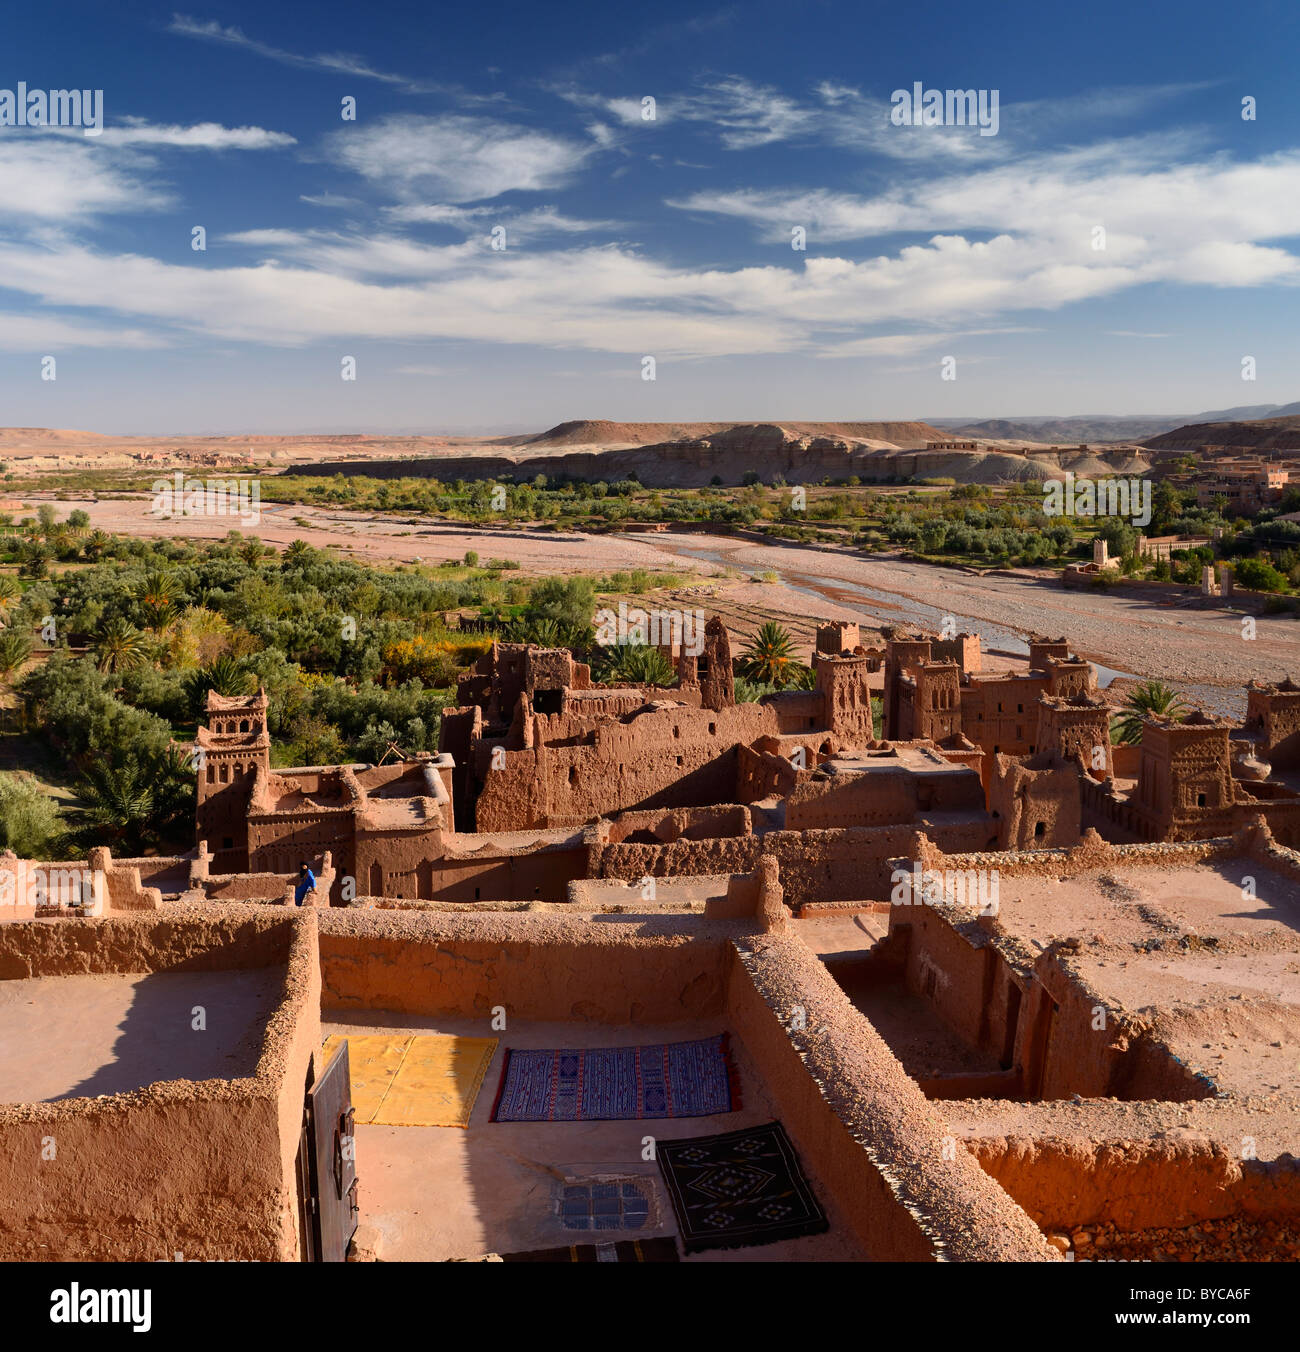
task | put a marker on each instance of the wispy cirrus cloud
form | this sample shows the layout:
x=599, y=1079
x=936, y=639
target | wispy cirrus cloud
x=333, y=63
x=139, y=133
x=340, y=63
x=520, y=225
x=742, y=114
x=32, y=333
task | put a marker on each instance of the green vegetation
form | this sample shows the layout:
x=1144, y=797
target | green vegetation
x=636, y=663
x=353, y=658
x=769, y=661
x=1145, y=700
x=29, y=818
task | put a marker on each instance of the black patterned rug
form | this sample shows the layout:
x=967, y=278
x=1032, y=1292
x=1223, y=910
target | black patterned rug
x=740, y=1188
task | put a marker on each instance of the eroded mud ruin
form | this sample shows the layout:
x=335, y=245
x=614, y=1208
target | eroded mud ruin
x=1013, y=991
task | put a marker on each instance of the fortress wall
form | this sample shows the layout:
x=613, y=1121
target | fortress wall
x=541, y=876
x=205, y=1169
x=1136, y=1184
x=845, y=864
x=689, y=823
x=870, y=1138
x=536, y=966
x=943, y=965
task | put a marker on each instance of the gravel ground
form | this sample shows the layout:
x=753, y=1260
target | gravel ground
x=1135, y=633
x=1144, y=633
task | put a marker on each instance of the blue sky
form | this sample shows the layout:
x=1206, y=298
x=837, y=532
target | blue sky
x=628, y=237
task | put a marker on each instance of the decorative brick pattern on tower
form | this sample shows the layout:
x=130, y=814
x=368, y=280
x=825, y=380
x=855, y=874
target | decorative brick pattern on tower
x=1077, y=725
x=1185, y=789
x=1273, y=722
x=847, y=708
x=231, y=750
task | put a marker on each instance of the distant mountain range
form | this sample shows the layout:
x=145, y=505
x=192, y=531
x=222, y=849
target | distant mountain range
x=1098, y=427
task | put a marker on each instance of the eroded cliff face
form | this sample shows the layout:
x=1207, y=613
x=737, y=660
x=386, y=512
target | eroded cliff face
x=796, y=453
x=1273, y=434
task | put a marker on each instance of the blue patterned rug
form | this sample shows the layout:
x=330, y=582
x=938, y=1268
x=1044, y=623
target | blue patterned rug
x=610, y=1084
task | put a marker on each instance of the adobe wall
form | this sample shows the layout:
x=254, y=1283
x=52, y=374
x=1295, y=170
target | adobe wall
x=761, y=773
x=1136, y=1184
x=247, y=886
x=797, y=710
x=1000, y=712
x=278, y=840
x=130, y=879
x=205, y=1169
x=1038, y=803
x=545, y=966
x=690, y=823
x=673, y=757
x=1117, y=1060
x=1275, y=710
x=955, y=971
x=844, y=864
x=868, y=1135
x=542, y=875
x=965, y=966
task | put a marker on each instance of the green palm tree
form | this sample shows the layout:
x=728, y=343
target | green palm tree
x=34, y=556
x=10, y=593
x=161, y=588
x=121, y=647
x=227, y=677
x=172, y=775
x=137, y=803
x=15, y=649
x=769, y=659
x=640, y=664
x=1150, y=698
x=298, y=555
x=118, y=801
x=96, y=543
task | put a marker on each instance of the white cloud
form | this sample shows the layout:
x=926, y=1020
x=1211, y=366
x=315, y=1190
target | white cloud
x=201, y=136
x=336, y=63
x=328, y=199
x=47, y=334
x=460, y=159
x=1202, y=224
x=520, y=225
x=991, y=241
x=64, y=179
x=744, y=115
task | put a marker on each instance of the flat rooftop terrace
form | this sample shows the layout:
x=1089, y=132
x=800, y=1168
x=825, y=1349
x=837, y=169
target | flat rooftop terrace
x=1209, y=960
x=86, y=1035
x=439, y=1193
x=1136, y=905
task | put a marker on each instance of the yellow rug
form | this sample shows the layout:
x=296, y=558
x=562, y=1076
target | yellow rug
x=426, y=1081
